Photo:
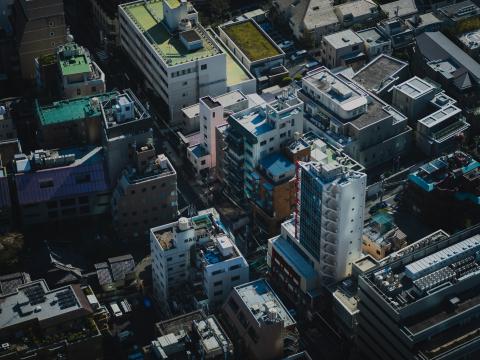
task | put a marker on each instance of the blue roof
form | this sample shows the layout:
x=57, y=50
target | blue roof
x=276, y=164
x=199, y=151
x=293, y=258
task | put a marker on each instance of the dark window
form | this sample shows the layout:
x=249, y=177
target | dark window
x=83, y=199
x=216, y=272
x=235, y=278
x=67, y=202
x=234, y=267
x=217, y=283
x=203, y=67
x=217, y=293
x=263, y=142
x=84, y=209
x=68, y=212
x=82, y=178
x=52, y=204
x=46, y=183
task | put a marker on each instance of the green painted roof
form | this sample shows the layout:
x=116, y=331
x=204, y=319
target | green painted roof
x=77, y=63
x=251, y=41
x=148, y=17
x=69, y=110
x=173, y=3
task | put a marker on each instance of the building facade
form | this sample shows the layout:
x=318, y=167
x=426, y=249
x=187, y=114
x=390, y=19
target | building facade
x=145, y=195
x=183, y=63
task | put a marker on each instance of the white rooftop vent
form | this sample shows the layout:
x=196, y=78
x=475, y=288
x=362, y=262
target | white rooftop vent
x=224, y=245
x=183, y=224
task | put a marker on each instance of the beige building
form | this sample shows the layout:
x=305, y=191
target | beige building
x=146, y=194
x=39, y=28
x=258, y=319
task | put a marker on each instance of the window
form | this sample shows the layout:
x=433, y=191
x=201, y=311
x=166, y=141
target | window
x=234, y=267
x=282, y=135
x=51, y=23
x=82, y=178
x=79, y=92
x=46, y=183
x=52, y=33
x=216, y=272
x=52, y=205
x=235, y=278
x=202, y=162
x=217, y=293
x=217, y=283
x=154, y=187
x=203, y=67
x=94, y=89
x=271, y=139
x=263, y=142
x=283, y=125
x=83, y=199
x=67, y=202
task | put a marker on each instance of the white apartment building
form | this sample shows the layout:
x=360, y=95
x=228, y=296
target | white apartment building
x=344, y=48
x=179, y=59
x=219, y=261
x=223, y=268
x=204, y=155
x=322, y=240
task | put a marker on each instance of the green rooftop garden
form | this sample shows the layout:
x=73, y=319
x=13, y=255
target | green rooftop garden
x=148, y=17
x=251, y=41
x=47, y=59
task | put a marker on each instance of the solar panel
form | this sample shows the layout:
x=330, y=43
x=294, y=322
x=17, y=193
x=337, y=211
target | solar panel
x=35, y=294
x=66, y=299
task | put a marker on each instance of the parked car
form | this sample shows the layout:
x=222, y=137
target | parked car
x=300, y=54
x=312, y=65
x=285, y=45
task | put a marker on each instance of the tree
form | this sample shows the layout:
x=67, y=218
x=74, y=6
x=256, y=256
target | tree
x=11, y=244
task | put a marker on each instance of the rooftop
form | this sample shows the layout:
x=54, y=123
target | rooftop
x=70, y=110
x=263, y=302
x=10, y=282
x=293, y=257
x=460, y=10
x=226, y=100
x=148, y=17
x=421, y=273
x=35, y=301
x=115, y=269
x=471, y=39
x=73, y=59
x=415, y=87
x=440, y=115
x=372, y=36
x=436, y=172
x=379, y=73
x=401, y=8
x=121, y=108
x=220, y=249
x=276, y=165
x=251, y=40
x=236, y=72
x=343, y=38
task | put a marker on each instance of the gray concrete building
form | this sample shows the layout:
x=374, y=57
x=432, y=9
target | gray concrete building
x=423, y=302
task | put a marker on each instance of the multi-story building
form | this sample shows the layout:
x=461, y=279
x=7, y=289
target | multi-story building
x=440, y=59
x=446, y=191
x=192, y=334
x=457, y=13
x=201, y=240
x=322, y=240
x=381, y=74
x=79, y=74
x=252, y=46
x=5, y=199
x=203, y=156
x=8, y=130
x=353, y=119
x=105, y=14
x=53, y=185
x=232, y=102
x=126, y=124
x=37, y=322
x=39, y=27
x=438, y=122
x=182, y=61
x=399, y=33
x=255, y=133
x=375, y=43
x=344, y=48
x=72, y=122
x=145, y=195
x=423, y=304
x=258, y=319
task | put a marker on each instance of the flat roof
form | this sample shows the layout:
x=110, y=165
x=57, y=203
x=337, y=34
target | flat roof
x=440, y=115
x=276, y=164
x=415, y=87
x=35, y=301
x=379, y=72
x=343, y=38
x=401, y=8
x=78, y=63
x=236, y=73
x=226, y=100
x=70, y=110
x=260, y=298
x=148, y=18
x=294, y=259
x=251, y=40
x=372, y=35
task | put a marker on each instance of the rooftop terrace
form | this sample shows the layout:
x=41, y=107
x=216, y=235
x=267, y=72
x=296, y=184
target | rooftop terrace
x=148, y=18
x=251, y=40
x=73, y=59
x=415, y=87
x=379, y=72
x=70, y=110
x=262, y=301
